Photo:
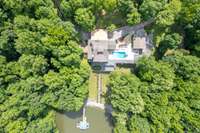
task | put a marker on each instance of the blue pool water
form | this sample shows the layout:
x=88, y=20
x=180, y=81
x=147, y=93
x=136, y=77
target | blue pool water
x=119, y=54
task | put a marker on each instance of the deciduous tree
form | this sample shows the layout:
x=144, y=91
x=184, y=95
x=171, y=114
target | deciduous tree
x=85, y=19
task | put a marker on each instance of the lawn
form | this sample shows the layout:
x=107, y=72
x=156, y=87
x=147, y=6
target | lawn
x=93, y=86
x=93, y=90
x=105, y=79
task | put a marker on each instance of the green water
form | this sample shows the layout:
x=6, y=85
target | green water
x=98, y=119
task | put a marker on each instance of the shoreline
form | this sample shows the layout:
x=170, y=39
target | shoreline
x=93, y=103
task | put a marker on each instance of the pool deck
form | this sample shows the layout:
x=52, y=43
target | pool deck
x=129, y=58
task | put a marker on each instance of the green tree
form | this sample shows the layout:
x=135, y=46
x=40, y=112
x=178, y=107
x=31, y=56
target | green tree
x=85, y=19
x=31, y=8
x=125, y=6
x=167, y=16
x=190, y=20
x=69, y=54
x=29, y=43
x=185, y=66
x=170, y=41
x=123, y=93
x=133, y=17
x=66, y=9
x=76, y=4
x=109, y=5
x=67, y=89
x=36, y=65
x=3, y=17
x=43, y=125
x=23, y=104
x=120, y=128
x=7, y=39
x=150, y=8
x=138, y=124
x=41, y=67
x=159, y=74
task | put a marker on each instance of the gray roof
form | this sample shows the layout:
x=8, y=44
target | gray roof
x=100, y=56
x=139, y=43
x=98, y=49
x=102, y=44
x=123, y=31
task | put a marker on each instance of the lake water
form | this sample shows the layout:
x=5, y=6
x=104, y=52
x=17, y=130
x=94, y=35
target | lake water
x=98, y=119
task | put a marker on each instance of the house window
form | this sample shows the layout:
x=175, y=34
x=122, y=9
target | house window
x=99, y=53
x=140, y=51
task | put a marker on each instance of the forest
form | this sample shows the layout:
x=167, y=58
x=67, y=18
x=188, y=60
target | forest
x=43, y=69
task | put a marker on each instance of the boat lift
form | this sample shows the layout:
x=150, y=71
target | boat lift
x=83, y=124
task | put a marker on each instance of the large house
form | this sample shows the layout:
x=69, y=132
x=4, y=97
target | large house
x=106, y=49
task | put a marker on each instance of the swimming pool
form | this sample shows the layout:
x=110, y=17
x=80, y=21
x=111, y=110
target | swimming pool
x=119, y=54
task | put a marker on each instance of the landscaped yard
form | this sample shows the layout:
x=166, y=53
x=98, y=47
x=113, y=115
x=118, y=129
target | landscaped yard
x=93, y=86
x=105, y=79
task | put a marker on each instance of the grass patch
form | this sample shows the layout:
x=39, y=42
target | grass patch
x=93, y=86
x=125, y=69
x=93, y=90
x=105, y=80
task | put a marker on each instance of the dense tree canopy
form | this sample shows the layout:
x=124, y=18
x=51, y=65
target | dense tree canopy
x=167, y=16
x=167, y=100
x=42, y=69
x=170, y=41
x=169, y=81
x=123, y=93
x=85, y=19
x=133, y=17
x=190, y=21
x=100, y=13
x=150, y=8
x=124, y=97
x=186, y=66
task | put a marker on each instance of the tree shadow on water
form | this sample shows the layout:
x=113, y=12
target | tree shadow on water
x=74, y=115
x=108, y=116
